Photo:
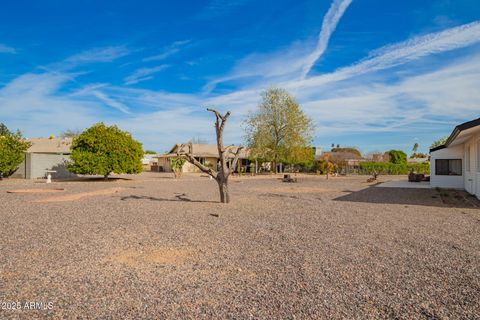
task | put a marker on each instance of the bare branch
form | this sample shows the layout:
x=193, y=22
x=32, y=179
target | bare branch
x=190, y=158
x=235, y=159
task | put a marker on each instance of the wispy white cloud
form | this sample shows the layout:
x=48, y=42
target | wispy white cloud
x=105, y=54
x=404, y=52
x=261, y=67
x=143, y=74
x=7, y=49
x=329, y=24
x=95, y=55
x=168, y=51
x=110, y=102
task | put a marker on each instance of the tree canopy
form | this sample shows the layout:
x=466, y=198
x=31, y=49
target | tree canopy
x=397, y=156
x=12, y=150
x=103, y=150
x=279, y=131
x=439, y=142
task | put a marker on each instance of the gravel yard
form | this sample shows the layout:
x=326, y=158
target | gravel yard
x=153, y=247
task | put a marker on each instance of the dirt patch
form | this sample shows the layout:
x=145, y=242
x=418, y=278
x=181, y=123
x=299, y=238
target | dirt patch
x=165, y=256
x=295, y=190
x=36, y=190
x=78, y=196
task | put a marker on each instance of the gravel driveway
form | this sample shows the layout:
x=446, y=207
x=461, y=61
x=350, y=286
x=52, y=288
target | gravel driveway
x=153, y=247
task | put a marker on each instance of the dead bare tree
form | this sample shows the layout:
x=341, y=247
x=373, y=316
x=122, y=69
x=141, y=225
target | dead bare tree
x=227, y=157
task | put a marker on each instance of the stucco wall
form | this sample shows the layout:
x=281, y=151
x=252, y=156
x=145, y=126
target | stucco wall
x=455, y=182
x=188, y=167
x=37, y=163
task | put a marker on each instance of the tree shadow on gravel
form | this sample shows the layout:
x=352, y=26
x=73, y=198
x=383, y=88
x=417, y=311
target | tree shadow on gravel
x=178, y=197
x=418, y=197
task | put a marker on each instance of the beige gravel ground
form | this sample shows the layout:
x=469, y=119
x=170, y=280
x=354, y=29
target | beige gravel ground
x=154, y=248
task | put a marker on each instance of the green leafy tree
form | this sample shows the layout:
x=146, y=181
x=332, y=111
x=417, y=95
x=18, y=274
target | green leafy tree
x=104, y=150
x=439, y=142
x=150, y=152
x=176, y=163
x=303, y=157
x=12, y=150
x=278, y=131
x=397, y=157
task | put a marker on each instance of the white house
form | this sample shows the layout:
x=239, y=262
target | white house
x=456, y=164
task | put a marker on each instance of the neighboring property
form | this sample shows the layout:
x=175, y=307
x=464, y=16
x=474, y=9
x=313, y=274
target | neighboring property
x=149, y=162
x=45, y=154
x=456, y=164
x=206, y=154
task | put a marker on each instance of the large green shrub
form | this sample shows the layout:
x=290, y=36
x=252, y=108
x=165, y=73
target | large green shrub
x=393, y=169
x=397, y=157
x=104, y=150
x=12, y=150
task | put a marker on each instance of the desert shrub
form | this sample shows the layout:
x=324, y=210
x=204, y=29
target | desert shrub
x=322, y=167
x=393, y=169
x=176, y=163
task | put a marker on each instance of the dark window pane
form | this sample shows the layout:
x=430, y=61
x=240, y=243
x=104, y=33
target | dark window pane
x=448, y=167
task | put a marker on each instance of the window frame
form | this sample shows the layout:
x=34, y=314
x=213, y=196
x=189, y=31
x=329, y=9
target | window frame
x=446, y=174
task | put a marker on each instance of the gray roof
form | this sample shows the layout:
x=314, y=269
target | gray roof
x=47, y=145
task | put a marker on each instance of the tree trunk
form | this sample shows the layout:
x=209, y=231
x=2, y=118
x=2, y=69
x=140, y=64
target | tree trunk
x=105, y=177
x=223, y=188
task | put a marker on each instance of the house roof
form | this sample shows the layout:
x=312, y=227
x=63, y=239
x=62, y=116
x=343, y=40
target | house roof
x=456, y=131
x=341, y=156
x=47, y=145
x=204, y=151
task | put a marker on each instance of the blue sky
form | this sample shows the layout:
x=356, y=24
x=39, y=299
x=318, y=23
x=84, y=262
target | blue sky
x=372, y=74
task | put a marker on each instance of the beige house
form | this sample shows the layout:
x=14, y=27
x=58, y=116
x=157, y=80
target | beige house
x=206, y=154
x=45, y=154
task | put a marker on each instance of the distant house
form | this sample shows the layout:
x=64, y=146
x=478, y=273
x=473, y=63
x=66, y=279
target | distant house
x=45, y=154
x=417, y=160
x=149, y=162
x=456, y=164
x=206, y=154
x=343, y=158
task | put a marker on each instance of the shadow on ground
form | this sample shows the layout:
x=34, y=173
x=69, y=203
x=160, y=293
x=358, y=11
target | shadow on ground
x=178, y=197
x=419, y=197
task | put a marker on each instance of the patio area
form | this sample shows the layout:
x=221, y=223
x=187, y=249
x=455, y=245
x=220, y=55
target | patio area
x=404, y=184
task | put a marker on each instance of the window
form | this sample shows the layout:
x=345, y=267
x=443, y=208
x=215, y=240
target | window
x=467, y=159
x=201, y=160
x=448, y=167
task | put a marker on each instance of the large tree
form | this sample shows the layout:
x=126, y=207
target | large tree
x=104, y=150
x=12, y=150
x=228, y=157
x=278, y=131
